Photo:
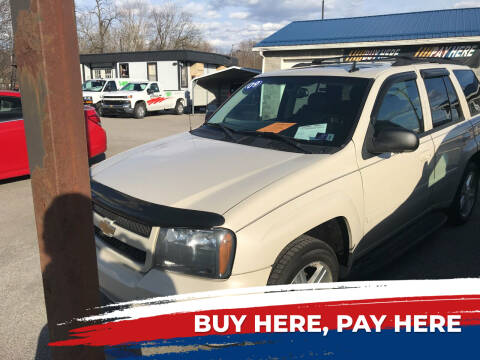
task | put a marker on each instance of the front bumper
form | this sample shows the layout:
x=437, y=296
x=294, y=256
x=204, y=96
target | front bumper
x=120, y=283
x=117, y=108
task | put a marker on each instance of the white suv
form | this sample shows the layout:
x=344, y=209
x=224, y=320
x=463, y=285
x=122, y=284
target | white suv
x=299, y=176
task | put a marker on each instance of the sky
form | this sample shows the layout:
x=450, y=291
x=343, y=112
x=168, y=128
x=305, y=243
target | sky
x=227, y=22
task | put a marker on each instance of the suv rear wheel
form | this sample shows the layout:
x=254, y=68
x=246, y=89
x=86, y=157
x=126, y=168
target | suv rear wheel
x=465, y=199
x=179, y=108
x=306, y=261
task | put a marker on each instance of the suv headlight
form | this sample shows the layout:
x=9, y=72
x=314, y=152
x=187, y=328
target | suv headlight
x=207, y=253
x=88, y=99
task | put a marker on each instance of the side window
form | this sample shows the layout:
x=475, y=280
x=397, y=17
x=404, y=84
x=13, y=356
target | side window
x=471, y=88
x=439, y=101
x=154, y=87
x=444, y=103
x=456, y=109
x=10, y=108
x=400, y=107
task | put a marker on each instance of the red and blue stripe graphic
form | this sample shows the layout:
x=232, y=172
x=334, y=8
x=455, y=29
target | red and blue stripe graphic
x=165, y=327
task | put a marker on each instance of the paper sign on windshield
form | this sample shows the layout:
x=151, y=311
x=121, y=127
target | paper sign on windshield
x=276, y=127
x=310, y=132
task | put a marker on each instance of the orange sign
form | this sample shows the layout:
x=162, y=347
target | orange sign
x=276, y=127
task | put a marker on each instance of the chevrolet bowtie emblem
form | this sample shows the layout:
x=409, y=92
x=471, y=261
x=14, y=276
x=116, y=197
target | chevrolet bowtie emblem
x=107, y=228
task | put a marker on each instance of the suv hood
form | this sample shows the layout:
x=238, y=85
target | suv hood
x=191, y=172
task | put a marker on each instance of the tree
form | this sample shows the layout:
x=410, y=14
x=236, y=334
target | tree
x=174, y=29
x=94, y=26
x=246, y=56
x=133, y=25
x=6, y=44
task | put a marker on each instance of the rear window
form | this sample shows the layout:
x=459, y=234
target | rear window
x=469, y=83
x=10, y=108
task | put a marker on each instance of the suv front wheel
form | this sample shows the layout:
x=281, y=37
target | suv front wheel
x=140, y=110
x=307, y=260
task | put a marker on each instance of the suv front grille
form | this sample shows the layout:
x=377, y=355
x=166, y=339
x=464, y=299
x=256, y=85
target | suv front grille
x=133, y=226
x=116, y=102
x=131, y=252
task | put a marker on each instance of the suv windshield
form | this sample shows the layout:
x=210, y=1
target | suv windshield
x=93, y=85
x=320, y=110
x=135, y=87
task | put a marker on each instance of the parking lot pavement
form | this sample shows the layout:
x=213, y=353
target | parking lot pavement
x=451, y=252
x=125, y=133
x=22, y=308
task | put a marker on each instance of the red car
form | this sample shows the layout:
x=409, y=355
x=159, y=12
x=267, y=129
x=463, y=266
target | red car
x=13, y=145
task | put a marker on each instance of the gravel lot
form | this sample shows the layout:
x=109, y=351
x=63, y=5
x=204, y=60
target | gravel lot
x=450, y=253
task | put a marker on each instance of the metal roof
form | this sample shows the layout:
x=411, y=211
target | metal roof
x=162, y=55
x=406, y=26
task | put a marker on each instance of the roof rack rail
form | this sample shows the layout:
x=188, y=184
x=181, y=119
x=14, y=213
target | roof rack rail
x=398, y=60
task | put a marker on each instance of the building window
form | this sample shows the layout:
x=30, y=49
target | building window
x=152, y=72
x=124, y=71
x=97, y=74
x=183, y=75
x=108, y=74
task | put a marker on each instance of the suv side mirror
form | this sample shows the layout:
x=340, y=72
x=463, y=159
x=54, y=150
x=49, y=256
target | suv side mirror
x=150, y=91
x=394, y=140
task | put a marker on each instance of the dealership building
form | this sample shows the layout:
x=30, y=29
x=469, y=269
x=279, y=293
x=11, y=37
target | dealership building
x=442, y=34
x=175, y=69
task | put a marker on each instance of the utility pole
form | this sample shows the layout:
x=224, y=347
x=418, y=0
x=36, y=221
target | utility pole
x=323, y=9
x=13, y=74
x=47, y=58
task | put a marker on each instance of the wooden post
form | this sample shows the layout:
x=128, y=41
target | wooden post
x=46, y=50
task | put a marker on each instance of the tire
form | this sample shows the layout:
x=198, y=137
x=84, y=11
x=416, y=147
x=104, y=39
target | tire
x=140, y=110
x=298, y=258
x=466, y=197
x=99, y=109
x=179, y=107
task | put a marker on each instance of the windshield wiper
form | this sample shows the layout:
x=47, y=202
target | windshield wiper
x=276, y=136
x=225, y=129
